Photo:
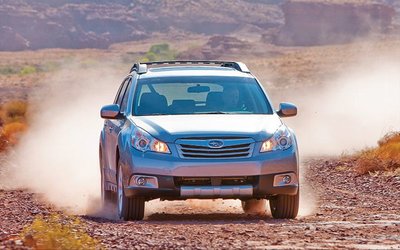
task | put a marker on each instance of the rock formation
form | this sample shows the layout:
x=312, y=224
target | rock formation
x=28, y=24
x=320, y=22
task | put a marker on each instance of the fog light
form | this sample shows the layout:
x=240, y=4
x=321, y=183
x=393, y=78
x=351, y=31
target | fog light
x=141, y=181
x=286, y=179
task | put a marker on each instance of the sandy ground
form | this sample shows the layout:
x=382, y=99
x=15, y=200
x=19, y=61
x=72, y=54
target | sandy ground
x=352, y=212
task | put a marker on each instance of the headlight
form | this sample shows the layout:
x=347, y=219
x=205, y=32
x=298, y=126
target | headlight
x=281, y=140
x=143, y=141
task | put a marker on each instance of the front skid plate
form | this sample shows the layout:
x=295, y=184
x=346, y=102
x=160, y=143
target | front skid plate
x=217, y=191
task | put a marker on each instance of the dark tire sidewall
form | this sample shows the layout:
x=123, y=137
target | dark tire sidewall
x=285, y=206
x=122, y=212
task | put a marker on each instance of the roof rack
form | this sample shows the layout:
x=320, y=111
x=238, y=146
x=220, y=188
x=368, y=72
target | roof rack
x=141, y=68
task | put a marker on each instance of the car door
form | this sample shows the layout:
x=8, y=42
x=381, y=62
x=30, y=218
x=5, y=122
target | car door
x=113, y=128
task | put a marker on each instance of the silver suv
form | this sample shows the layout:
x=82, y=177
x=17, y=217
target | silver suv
x=197, y=129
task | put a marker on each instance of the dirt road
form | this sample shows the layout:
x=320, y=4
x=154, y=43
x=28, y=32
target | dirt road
x=352, y=212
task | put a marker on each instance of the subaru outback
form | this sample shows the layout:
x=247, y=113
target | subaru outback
x=197, y=130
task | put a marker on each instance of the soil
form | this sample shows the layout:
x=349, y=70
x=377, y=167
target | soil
x=351, y=212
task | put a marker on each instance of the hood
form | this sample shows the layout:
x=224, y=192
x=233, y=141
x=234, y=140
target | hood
x=169, y=128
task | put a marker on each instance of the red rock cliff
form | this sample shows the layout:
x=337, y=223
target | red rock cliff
x=317, y=23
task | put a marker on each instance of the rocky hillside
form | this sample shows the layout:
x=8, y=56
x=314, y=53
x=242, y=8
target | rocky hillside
x=26, y=24
x=309, y=23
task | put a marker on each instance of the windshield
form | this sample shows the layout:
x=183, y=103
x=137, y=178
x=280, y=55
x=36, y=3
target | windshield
x=199, y=95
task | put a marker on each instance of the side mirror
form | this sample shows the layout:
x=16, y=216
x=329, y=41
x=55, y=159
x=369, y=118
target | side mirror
x=110, y=111
x=287, y=109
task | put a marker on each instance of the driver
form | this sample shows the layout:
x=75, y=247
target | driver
x=230, y=98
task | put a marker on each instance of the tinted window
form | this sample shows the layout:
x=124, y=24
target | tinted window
x=125, y=96
x=122, y=91
x=199, y=95
x=118, y=93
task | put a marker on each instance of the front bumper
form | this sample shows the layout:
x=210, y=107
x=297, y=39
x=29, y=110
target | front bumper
x=152, y=163
x=168, y=189
x=264, y=167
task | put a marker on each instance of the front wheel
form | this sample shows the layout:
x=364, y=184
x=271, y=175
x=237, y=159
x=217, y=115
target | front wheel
x=129, y=208
x=284, y=206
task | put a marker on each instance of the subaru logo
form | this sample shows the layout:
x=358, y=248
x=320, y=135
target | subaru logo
x=215, y=144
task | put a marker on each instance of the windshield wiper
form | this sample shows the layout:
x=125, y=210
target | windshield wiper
x=214, y=112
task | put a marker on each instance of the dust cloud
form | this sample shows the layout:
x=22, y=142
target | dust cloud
x=58, y=156
x=349, y=112
x=345, y=114
x=308, y=197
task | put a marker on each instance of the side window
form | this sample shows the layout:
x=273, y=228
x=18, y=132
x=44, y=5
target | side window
x=118, y=99
x=118, y=92
x=126, y=96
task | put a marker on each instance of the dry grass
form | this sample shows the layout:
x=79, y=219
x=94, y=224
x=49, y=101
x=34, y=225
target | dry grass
x=12, y=123
x=385, y=157
x=57, y=233
x=13, y=111
x=12, y=131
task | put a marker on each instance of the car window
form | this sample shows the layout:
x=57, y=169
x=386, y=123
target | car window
x=122, y=91
x=197, y=95
x=125, y=96
x=118, y=92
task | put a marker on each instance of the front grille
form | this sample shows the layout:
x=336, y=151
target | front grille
x=215, y=181
x=233, y=148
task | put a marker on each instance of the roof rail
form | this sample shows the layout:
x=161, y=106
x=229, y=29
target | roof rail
x=141, y=68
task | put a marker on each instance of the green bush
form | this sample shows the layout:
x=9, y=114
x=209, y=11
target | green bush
x=26, y=70
x=159, y=52
x=8, y=70
x=159, y=48
x=49, y=66
x=29, y=69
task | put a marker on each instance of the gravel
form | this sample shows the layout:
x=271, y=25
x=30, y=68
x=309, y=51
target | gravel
x=352, y=211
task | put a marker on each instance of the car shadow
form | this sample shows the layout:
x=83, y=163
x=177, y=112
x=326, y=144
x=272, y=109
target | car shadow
x=194, y=218
x=205, y=218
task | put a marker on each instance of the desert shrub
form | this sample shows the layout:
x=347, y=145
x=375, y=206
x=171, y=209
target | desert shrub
x=159, y=52
x=389, y=138
x=3, y=142
x=57, y=233
x=385, y=157
x=29, y=69
x=1, y=115
x=8, y=70
x=12, y=131
x=13, y=111
x=49, y=66
x=12, y=123
x=159, y=48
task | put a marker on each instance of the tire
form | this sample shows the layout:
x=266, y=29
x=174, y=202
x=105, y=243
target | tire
x=129, y=208
x=284, y=206
x=254, y=206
